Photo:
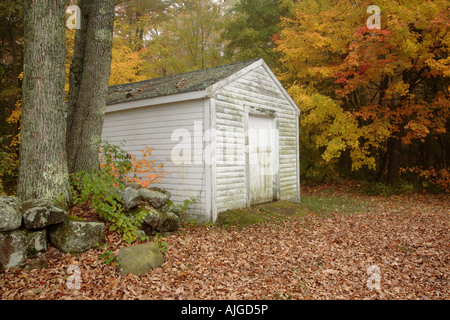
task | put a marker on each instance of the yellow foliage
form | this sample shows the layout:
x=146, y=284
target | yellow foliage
x=15, y=116
x=334, y=130
x=399, y=88
x=16, y=113
x=126, y=65
x=357, y=87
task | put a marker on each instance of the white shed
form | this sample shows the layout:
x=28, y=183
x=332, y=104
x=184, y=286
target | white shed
x=227, y=135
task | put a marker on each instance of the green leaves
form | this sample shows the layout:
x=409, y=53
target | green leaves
x=108, y=257
x=250, y=30
x=100, y=189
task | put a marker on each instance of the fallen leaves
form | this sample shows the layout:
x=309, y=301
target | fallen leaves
x=308, y=257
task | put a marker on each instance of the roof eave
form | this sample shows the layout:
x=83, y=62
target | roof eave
x=173, y=98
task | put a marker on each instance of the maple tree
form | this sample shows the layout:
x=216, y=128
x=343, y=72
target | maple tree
x=369, y=91
x=135, y=22
x=126, y=65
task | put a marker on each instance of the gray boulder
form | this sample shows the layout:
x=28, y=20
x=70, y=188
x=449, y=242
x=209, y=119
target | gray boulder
x=167, y=193
x=10, y=215
x=134, y=185
x=130, y=198
x=169, y=223
x=139, y=259
x=77, y=236
x=154, y=198
x=176, y=210
x=156, y=222
x=41, y=213
x=19, y=245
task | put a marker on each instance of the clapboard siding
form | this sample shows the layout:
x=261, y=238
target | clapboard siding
x=153, y=127
x=254, y=89
x=220, y=179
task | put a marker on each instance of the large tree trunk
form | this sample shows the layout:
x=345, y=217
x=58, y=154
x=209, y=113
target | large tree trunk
x=89, y=80
x=43, y=164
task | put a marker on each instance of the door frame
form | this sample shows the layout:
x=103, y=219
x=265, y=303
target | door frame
x=264, y=113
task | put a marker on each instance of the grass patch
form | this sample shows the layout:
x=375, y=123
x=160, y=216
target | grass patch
x=284, y=209
x=74, y=218
x=382, y=189
x=324, y=205
x=242, y=218
x=267, y=212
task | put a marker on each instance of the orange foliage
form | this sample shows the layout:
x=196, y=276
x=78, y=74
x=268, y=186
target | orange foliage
x=439, y=178
x=143, y=170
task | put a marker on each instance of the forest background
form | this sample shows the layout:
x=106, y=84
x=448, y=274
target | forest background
x=374, y=103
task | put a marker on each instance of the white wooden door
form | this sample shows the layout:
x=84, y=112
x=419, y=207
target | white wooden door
x=262, y=151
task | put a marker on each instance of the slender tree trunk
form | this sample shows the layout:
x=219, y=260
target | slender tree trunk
x=395, y=141
x=89, y=81
x=393, y=172
x=43, y=164
x=381, y=166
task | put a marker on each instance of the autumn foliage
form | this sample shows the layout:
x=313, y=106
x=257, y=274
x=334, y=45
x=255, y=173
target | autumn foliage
x=374, y=102
x=368, y=95
x=140, y=168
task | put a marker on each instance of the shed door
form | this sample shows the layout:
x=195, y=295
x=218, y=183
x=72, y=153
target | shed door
x=262, y=147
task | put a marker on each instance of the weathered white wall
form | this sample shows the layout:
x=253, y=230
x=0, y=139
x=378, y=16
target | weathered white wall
x=153, y=126
x=254, y=89
x=221, y=182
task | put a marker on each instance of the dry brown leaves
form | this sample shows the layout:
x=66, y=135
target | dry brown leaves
x=407, y=238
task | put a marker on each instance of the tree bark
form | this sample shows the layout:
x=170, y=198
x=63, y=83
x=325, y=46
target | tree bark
x=393, y=173
x=43, y=169
x=395, y=141
x=89, y=79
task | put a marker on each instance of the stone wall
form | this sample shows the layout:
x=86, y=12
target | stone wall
x=27, y=227
x=23, y=229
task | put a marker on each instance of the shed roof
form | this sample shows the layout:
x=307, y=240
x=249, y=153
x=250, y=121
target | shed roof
x=181, y=83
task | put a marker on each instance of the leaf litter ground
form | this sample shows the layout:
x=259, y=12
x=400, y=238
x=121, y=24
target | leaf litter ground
x=323, y=255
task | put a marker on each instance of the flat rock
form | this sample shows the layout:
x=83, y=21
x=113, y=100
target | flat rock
x=41, y=213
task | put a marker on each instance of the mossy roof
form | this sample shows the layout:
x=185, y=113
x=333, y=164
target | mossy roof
x=181, y=83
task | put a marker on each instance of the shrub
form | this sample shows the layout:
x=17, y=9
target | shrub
x=129, y=168
x=101, y=188
x=431, y=180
